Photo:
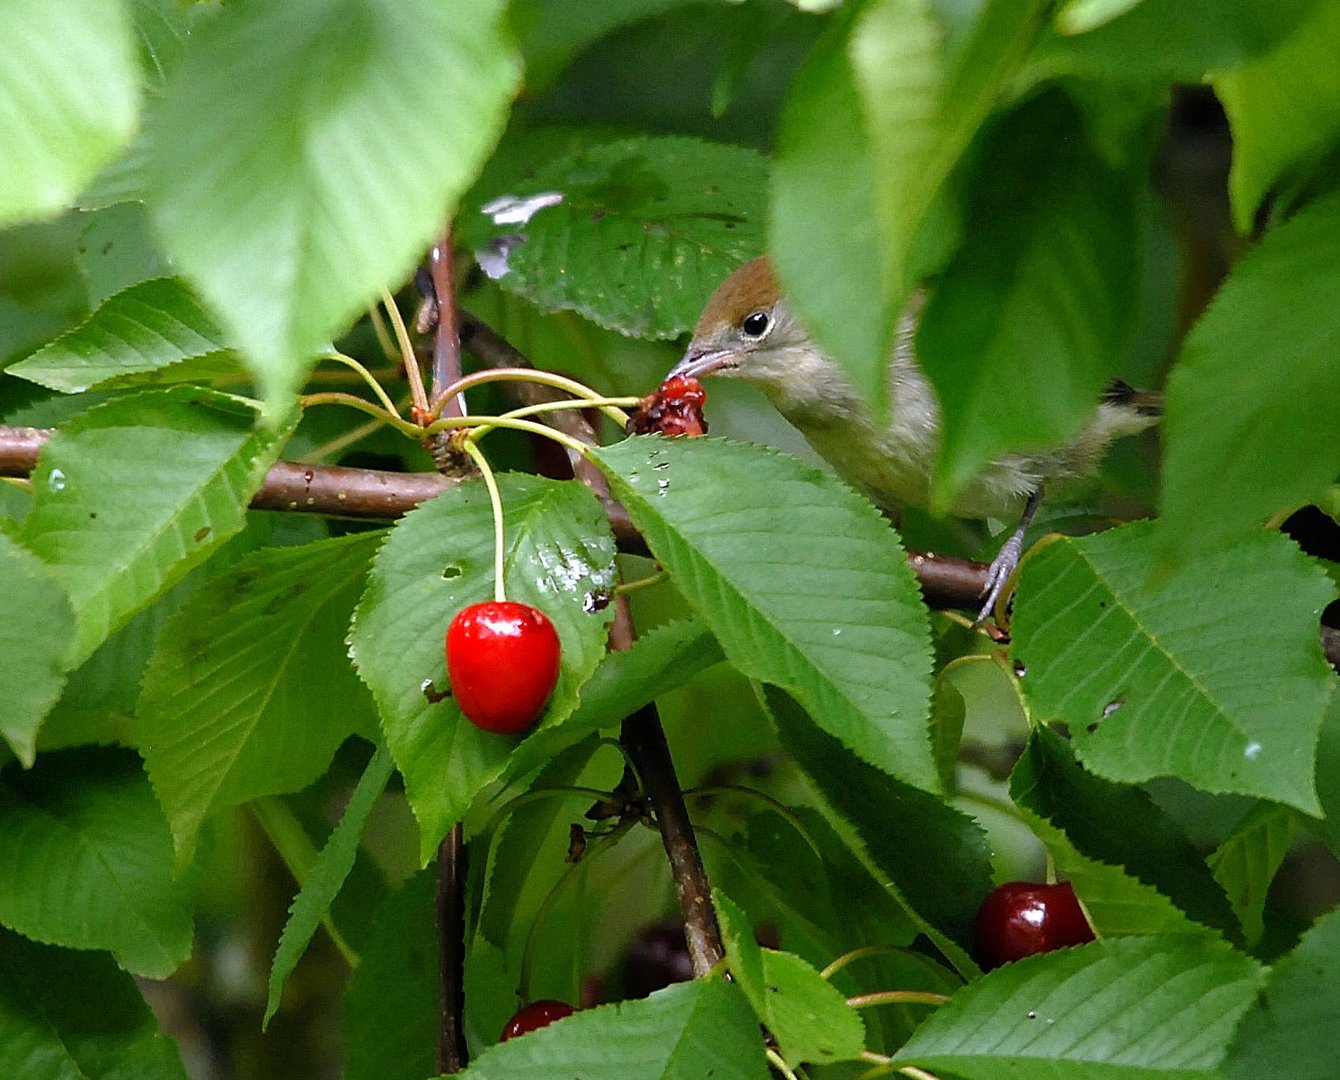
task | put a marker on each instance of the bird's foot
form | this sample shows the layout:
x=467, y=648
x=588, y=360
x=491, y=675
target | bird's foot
x=999, y=575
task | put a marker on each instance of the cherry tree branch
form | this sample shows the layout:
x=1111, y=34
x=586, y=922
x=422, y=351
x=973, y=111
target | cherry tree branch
x=375, y=494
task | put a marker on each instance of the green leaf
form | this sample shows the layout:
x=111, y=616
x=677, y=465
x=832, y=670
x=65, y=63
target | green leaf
x=308, y=152
x=250, y=691
x=1246, y=862
x=904, y=831
x=1117, y=825
x=1164, y=41
x=1117, y=903
x=660, y=661
x=163, y=27
x=1251, y=403
x=76, y=1016
x=1149, y=1007
x=69, y=99
x=155, y=331
x=1328, y=774
x=117, y=249
x=390, y=1008
x=646, y=229
x=332, y=866
x=517, y=867
x=1291, y=1030
x=928, y=79
x=1030, y=318
x=1079, y=16
x=739, y=528
x=133, y=493
x=948, y=713
x=36, y=628
x=551, y=32
x=806, y=1014
x=90, y=861
x=824, y=176
x=438, y=559
x=1141, y=672
x=1284, y=109
x=684, y=1032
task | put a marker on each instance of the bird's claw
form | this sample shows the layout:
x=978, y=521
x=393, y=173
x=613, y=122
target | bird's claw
x=999, y=575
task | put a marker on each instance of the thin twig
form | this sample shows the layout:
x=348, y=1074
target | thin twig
x=452, y=1055
x=447, y=340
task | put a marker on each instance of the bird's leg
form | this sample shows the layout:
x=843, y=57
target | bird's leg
x=1006, y=561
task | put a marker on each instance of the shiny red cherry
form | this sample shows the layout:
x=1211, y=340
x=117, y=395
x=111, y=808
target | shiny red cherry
x=1021, y=918
x=537, y=1014
x=502, y=659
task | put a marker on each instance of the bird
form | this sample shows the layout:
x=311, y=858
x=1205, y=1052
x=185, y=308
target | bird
x=748, y=331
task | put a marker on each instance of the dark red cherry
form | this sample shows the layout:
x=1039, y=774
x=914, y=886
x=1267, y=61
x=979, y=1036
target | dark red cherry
x=1021, y=918
x=536, y=1015
x=502, y=659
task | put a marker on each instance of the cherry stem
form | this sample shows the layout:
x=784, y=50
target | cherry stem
x=417, y=392
x=626, y=587
x=544, y=378
x=602, y=845
x=877, y=950
x=779, y=1063
x=495, y=501
x=778, y=807
x=366, y=376
x=339, y=397
x=383, y=335
x=490, y=422
x=897, y=997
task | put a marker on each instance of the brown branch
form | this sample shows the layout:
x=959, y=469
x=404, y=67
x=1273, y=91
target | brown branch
x=644, y=739
x=337, y=491
x=447, y=340
x=452, y=1055
x=641, y=733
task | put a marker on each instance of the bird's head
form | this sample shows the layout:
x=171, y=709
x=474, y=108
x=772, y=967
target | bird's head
x=747, y=331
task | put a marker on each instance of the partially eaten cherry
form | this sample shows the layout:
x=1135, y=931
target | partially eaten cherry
x=1021, y=918
x=536, y=1015
x=673, y=408
x=502, y=658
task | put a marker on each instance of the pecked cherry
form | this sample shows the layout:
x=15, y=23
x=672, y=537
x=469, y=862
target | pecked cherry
x=502, y=659
x=536, y=1015
x=1021, y=918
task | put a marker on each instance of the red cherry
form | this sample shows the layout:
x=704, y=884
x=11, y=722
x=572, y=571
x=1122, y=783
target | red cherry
x=502, y=659
x=536, y=1015
x=1021, y=918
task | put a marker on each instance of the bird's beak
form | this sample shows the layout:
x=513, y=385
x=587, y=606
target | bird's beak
x=697, y=364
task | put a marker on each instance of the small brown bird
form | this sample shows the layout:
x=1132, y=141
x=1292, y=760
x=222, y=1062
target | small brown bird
x=747, y=331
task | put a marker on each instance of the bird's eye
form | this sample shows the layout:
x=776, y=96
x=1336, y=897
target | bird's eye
x=756, y=324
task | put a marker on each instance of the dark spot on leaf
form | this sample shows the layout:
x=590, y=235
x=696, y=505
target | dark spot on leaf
x=432, y=693
x=92, y=514
x=107, y=247
x=451, y=572
x=1092, y=728
x=202, y=532
x=773, y=990
x=597, y=214
x=596, y=601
